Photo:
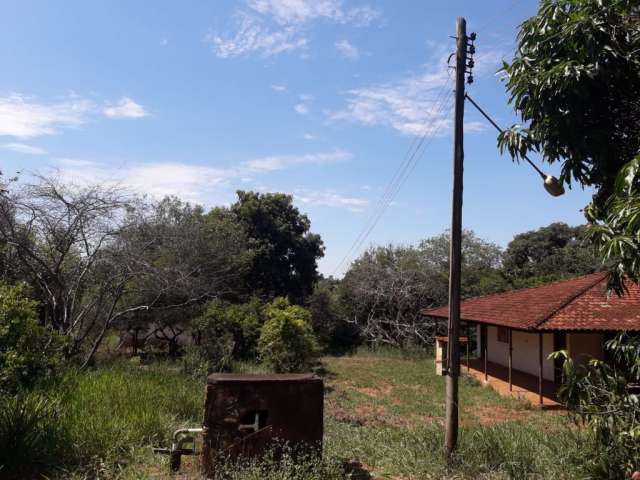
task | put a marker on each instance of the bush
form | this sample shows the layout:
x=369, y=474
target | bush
x=216, y=356
x=28, y=351
x=287, y=342
x=239, y=323
x=32, y=437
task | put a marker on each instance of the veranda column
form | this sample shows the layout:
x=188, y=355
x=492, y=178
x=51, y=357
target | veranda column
x=485, y=346
x=540, y=366
x=468, y=341
x=510, y=359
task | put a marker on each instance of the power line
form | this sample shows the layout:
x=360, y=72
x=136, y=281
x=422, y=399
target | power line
x=414, y=161
x=382, y=203
x=402, y=172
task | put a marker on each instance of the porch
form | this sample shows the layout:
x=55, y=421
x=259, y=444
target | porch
x=523, y=385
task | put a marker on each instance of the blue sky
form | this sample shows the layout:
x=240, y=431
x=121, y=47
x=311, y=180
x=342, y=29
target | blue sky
x=321, y=99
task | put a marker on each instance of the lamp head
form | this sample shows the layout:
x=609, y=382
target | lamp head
x=553, y=186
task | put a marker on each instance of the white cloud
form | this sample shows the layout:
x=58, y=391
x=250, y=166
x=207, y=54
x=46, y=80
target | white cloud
x=287, y=12
x=191, y=182
x=362, y=16
x=280, y=162
x=330, y=198
x=22, y=117
x=308, y=136
x=413, y=104
x=253, y=36
x=125, y=108
x=23, y=148
x=279, y=88
x=347, y=50
x=297, y=11
x=198, y=183
x=271, y=27
x=301, y=108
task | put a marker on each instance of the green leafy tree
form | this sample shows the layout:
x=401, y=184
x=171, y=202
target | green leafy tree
x=605, y=396
x=575, y=82
x=549, y=253
x=287, y=342
x=285, y=251
x=334, y=333
x=28, y=351
x=481, y=262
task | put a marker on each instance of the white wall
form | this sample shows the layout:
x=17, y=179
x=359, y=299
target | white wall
x=525, y=351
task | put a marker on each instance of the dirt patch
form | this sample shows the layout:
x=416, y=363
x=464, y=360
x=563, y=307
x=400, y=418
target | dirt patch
x=493, y=415
x=376, y=392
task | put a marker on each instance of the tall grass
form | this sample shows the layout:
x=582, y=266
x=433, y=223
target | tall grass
x=101, y=424
x=503, y=451
x=112, y=410
x=32, y=437
x=96, y=419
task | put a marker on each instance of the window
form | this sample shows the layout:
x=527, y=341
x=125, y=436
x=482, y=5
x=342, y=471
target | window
x=503, y=334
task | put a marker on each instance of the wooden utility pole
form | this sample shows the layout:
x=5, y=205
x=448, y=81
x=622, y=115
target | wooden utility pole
x=455, y=253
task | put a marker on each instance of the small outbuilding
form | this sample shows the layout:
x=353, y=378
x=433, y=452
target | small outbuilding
x=515, y=331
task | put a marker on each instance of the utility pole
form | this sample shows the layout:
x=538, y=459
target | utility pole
x=455, y=252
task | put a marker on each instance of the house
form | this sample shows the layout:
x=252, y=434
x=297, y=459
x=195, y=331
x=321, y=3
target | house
x=517, y=330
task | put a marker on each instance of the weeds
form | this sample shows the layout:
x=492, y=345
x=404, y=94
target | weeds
x=101, y=424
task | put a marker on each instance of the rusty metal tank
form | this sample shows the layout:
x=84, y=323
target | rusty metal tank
x=245, y=415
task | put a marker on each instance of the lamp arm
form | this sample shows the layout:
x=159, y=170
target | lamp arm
x=486, y=115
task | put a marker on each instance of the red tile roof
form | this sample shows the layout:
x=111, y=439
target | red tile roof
x=577, y=304
x=594, y=311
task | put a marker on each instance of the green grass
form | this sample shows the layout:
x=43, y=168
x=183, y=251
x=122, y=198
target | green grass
x=384, y=411
x=96, y=420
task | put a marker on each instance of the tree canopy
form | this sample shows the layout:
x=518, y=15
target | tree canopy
x=575, y=82
x=549, y=253
x=285, y=250
x=384, y=289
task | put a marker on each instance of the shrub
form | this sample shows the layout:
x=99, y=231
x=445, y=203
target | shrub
x=241, y=322
x=287, y=342
x=201, y=360
x=28, y=351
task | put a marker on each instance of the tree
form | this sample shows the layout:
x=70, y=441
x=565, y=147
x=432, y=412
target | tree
x=95, y=255
x=575, y=82
x=185, y=258
x=285, y=251
x=58, y=236
x=384, y=290
x=334, y=333
x=549, y=253
x=481, y=262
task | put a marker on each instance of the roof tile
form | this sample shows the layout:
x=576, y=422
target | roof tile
x=577, y=304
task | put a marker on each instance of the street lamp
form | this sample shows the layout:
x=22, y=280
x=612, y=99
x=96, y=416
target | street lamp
x=553, y=186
